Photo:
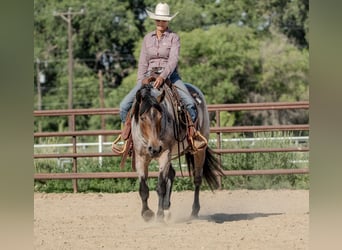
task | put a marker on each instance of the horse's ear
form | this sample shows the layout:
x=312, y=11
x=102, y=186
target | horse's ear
x=161, y=97
x=138, y=96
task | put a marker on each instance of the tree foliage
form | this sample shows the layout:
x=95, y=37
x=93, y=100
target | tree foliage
x=235, y=51
x=222, y=61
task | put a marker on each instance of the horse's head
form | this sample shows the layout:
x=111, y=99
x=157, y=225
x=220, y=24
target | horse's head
x=148, y=113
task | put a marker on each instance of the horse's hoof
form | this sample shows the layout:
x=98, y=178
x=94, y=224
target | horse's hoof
x=160, y=219
x=193, y=216
x=148, y=215
x=167, y=215
x=160, y=214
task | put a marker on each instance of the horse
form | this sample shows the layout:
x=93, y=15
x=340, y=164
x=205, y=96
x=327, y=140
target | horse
x=157, y=135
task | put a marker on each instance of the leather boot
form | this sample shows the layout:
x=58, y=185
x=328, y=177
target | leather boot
x=196, y=140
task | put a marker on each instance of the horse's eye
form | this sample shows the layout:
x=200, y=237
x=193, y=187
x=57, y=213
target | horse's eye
x=142, y=118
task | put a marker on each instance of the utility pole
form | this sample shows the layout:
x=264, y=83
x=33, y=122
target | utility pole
x=101, y=95
x=101, y=137
x=67, y=16
x=39, y=102
x=39, y=92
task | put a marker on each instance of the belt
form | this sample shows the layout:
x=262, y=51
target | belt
x=156, y=70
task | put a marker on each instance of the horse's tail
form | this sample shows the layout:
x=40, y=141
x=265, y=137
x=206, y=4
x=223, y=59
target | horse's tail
x=212, y=168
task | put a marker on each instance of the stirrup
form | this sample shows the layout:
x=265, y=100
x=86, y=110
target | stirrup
x=118, y=149
x=203, y=142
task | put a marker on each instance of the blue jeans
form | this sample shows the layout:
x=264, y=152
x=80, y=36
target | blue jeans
x=184, y=95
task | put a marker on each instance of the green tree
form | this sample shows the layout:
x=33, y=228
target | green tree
x=284, y=78
x=223, y=61
x=234, y=51
x=284, y=75
x=289, y=17
x=107, y=25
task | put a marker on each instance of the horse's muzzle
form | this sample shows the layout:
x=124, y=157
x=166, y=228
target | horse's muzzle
x=154, y=151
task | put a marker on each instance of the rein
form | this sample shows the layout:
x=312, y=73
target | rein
x=174, y=99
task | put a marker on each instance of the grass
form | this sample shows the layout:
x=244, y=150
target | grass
x=233, y=161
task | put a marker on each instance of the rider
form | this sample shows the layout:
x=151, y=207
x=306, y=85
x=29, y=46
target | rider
x=160, y=49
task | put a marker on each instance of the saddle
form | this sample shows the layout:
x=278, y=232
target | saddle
x=180, y=111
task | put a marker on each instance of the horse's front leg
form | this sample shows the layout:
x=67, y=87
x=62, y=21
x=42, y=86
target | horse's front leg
x=165, y=181
x=144, y=192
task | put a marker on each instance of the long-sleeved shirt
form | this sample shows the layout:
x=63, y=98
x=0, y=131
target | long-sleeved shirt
x=159, y=53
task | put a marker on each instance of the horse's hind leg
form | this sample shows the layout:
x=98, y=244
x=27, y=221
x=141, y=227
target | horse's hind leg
x=164, y=190
x=146, y=212
x=196, y=205
x=197, y=162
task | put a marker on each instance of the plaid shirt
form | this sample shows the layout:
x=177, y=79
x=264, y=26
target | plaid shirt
x=159, y=53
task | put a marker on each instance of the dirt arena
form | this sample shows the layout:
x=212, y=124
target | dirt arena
x=242, y=219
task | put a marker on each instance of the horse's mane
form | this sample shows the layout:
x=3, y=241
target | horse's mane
x=144, y=101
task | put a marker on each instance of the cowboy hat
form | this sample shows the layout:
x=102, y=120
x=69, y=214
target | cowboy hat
x=162, y=12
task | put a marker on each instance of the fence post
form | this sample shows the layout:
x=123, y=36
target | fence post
x=100, y=149
x=218, y=144
x=74, y=150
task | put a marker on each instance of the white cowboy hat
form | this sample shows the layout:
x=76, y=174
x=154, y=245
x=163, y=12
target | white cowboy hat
x=162, y=12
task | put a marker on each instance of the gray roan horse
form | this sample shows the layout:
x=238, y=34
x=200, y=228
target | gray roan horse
x=157, y=135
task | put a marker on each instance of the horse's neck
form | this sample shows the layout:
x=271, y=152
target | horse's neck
x=172, y=120
x=167, y=116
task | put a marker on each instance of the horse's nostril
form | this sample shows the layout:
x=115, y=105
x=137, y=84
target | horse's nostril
x=154, y=150
x=151, y=150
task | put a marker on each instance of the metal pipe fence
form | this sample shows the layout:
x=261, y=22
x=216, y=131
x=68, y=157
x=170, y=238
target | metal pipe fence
x=218, y=130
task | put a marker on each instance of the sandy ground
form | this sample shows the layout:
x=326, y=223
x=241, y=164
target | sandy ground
x=241, y=219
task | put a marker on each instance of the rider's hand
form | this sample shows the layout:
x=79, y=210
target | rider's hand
x=158, y=82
